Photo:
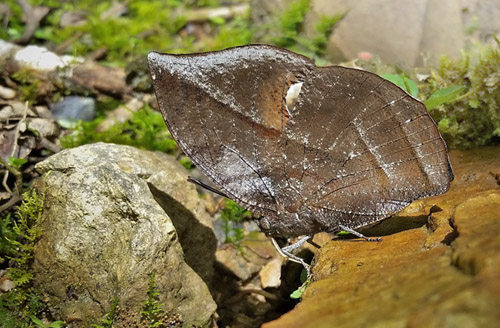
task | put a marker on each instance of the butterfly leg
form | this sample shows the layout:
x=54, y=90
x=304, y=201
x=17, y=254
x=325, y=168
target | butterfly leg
x=357, y=234
x=294, y=246
x=311, y=242
x=286, y=252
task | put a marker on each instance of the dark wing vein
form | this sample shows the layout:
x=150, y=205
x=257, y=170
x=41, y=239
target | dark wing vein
x=249, y=165
x=372, y=169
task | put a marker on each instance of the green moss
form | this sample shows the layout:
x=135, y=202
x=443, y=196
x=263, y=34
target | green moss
x=473, y=119
x=151, y=314
x=29, y=85
x=233, y=216
x=324, y=28
x=108, y=319
x=236, y=32
x=463, y=96
x=145, y=129
x=206, y=3
x=291, y=23
x=147, y=25
x=288, y=32
x=186, y=162
x=39, y=323
x=26, y=231
x=16, y=25
x=18, y=235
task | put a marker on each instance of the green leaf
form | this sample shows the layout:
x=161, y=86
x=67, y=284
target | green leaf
x=13, y=33
x=17, y=162
x=46, y=33
x=37, y=322
x=444, y=124
x=496, y=132
x=217, y=20
x=442, y=96
x=474, y=103
x=395, y=78
x=412, y=87
x=296, y=294
x=403, y=82
x=57, y=324
x=303, y=276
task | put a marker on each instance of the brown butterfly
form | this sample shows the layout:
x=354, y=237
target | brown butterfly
x=352, y=150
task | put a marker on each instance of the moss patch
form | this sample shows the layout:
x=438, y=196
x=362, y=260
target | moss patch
x=473, y=119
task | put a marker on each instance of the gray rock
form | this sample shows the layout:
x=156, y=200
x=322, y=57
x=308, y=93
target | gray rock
x=480, y=18
x=405, y=31
x=74, y=108
x=114, y=215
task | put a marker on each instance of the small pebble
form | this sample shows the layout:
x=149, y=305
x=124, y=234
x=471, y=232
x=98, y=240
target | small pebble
x=74, y=108
x=6, y=284
x=7, y=93
x=365, y=55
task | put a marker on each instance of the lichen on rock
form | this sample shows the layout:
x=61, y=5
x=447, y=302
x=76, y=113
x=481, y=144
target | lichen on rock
x=111, y=221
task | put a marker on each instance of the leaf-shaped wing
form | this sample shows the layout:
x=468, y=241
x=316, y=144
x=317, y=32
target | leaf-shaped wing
x=226, y=111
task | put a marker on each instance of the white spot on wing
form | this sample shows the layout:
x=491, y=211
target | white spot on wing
x=292, y=95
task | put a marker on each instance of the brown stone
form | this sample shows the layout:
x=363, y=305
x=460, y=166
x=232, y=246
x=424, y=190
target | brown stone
x=247, y=259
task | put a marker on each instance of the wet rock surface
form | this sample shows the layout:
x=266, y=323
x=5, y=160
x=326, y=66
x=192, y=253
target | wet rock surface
x=438, y=264
x=113, y=216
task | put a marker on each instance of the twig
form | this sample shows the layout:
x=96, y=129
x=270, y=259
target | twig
x=32, y=17
x=267, y=295
x=68, y=42
x=16, y=174
x=116, y=9
x=5, y=14
x=96, y=54
x=204, y=14
x=14, y=199
x=18, y=127
x=9, y=168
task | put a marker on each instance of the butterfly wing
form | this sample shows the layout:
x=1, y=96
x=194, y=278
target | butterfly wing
x=226, y=111
x=365, y=148
x=354, y=149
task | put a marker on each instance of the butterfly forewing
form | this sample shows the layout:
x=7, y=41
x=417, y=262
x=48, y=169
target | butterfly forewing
x=226, y=112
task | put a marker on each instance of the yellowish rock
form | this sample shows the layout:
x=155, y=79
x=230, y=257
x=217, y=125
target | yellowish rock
x=445, y=273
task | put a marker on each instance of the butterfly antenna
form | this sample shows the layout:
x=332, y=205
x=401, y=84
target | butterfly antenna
x=205, y=186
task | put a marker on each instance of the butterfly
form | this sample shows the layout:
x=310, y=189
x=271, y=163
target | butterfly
x=349, y=150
